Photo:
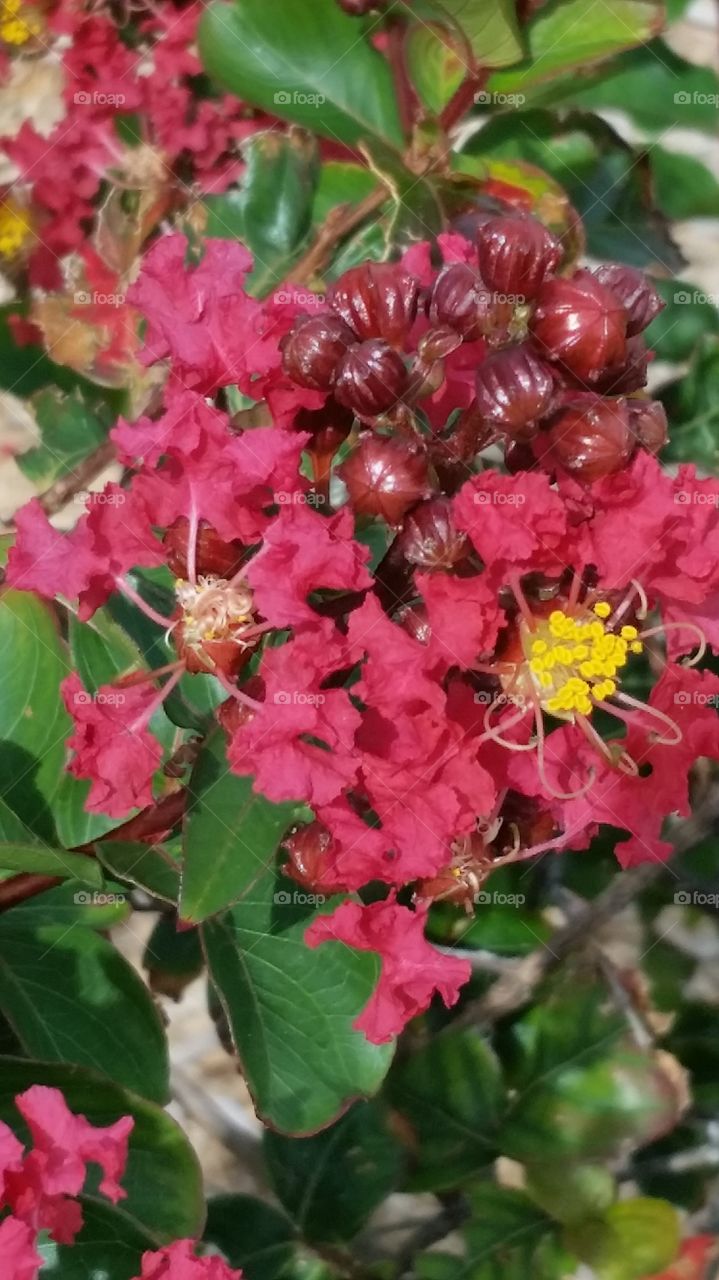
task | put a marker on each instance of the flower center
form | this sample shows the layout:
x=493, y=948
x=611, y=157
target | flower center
x=15, y=227
x=18, y=23
x=213, y=609
x=573, y=660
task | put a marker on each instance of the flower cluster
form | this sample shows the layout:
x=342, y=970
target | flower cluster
x=460, y=699
x=40, y=1187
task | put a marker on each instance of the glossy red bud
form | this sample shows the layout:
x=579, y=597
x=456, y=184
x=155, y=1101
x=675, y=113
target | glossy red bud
x=648, y=421
x=515, y=256
x=461, y=302
x=385, y=477
x=515, y=388
x=592, y=438
x=631, y=375
x=313, y=349
x=581, y=323
x=415, y=620
x=376, y=300
x=636, y=293
x=308, y=849
x=212, y=555
x=429, y=538
x=371, y=378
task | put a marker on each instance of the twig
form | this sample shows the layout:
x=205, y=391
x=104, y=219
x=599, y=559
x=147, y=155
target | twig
x=516, y=987
x=339, y=223
x=21, y=887
x=64, y=489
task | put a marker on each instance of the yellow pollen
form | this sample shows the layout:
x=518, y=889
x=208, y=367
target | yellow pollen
x=15, y=228
x=18, y=24
x=573, y=659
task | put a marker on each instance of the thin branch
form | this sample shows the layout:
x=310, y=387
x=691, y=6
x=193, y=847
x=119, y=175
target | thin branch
x=26, y=885
x=64, y=489
x=339, y=223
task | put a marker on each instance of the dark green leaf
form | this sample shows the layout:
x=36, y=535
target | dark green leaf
x=163, y=1179
x=252, y=1235
x=291, y=1008
x=272, y=211
x=692, y=405
x=71, y=997
x=562, y=37
x=150, y=867
x=173, y=956
x=70, y=427
x=684, y=187
x=503, y=1234
x=46, y=861
x=109, y=1247
x=686, y=318
x=635, y=1238
x=452, y=1095
x=308, y=63
x=491, y=29
x=435, y=64
x=231, y=835
x=330, y=1183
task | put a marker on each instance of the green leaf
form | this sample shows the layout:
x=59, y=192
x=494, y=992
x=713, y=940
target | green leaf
x=492, y=30
x=635, y=1239
x=657, y=88
x=101, y=650
x=505, y=1230
x=231, y=835
x=272, y=211
x=415, y=206
x=290, y=1008
x=24, y=370
x=70, y=427
x=686, y=318
x=684, y=187
x=307, y=63
x=331, y=1183
x=576, y=34
x=692, y=405
x=109, y=1247
x=71, y=997
x=452, y=1095
x=340, y=183
x=149, y=867
x=42, y=859
x=435, y=65
x=252, y=1235
x=163, y=1180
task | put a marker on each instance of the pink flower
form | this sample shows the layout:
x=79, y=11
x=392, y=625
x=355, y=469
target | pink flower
x=178, y=1261
x=278, y=744
x=464, y=616
x=517, y=524
x=305, y=552
x=199, y=316
x=112, y=745
x=19, y=1259
x=412, y=970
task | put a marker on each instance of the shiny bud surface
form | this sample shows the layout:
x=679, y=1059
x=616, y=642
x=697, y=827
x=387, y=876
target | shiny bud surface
x=384, y=477
x=429, y=539
x=515, y=256
x=635, y=292
x=514, y=389
x=371, y=378
x=581, y=323
x=313, y=349
x=376, y=300
x=461, y=302
x=592, y=438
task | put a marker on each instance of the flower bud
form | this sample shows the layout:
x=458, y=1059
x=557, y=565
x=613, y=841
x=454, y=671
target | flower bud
x=461, y=302
x=515, y=388
x=385, y=477
x=635, y=292
x=371, y=378
x=429, y=539
x=376, y=300
x=212, y=555
x=308, y=848
x=313, y=349
x=648, y=421
x=581, y=323
x=631, y=375
x=592, y=438
x=515, y=255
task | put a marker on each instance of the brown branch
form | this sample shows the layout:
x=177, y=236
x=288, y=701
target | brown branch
x=64, y=489
x=339, y=223
x=516, y=987
x=26, y=885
